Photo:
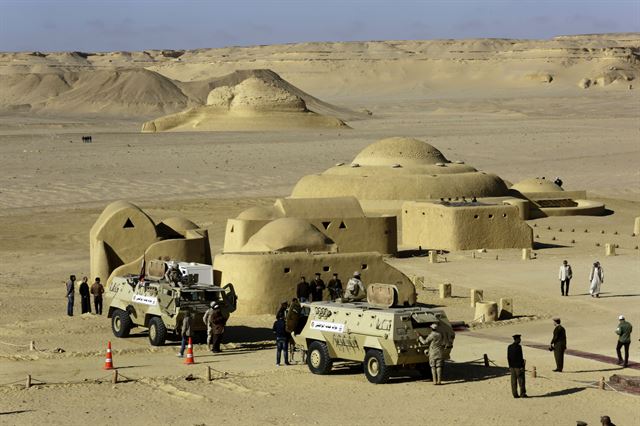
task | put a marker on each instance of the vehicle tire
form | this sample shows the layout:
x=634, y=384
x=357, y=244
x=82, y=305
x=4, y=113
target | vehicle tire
x=375, y=368
x=424, y=370
x=318, y=358
x=157, y=331
x=121, y=323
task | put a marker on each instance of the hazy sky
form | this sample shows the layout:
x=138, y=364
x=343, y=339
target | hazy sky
x=105, y=25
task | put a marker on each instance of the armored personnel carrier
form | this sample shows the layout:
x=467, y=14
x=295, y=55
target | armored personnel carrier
x=160, y=305
x=375, y=333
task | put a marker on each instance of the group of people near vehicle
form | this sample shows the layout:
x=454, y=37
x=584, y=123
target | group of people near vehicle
x=215, y=321
x=85, y=292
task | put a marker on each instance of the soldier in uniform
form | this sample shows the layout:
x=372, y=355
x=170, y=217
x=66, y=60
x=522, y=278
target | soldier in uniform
x=355, y=288
x=335, y=287
x=558, y=344
x=436, y=352
x=516, y=367
x=173, y=274
x=207, y=319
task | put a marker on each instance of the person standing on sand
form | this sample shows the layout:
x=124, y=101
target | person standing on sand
x=282, y=338
x=516, y=367
x=565, y=276
x=85, y=299
x=185, y=331
x=624, y=331
x=97, y=290
x=436, y=349
x=596, y=278
x=558, y=344
x=71, y=289
x=219, y=322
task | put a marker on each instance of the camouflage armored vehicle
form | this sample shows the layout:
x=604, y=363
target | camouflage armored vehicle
x=381, y=337
x=160, y=305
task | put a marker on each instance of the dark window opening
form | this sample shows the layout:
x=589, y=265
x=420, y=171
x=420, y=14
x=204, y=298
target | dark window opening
x=364, y=266
x=342, y=225
x=128, y=224
x=326, y=268
x=325, y=225
x=231, y=228
x=287, y=270
x=475, y=216
x=490, y=216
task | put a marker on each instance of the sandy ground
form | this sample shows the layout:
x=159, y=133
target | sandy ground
x=53, y=187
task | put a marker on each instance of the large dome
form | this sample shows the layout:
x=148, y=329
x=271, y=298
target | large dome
x=398, y=150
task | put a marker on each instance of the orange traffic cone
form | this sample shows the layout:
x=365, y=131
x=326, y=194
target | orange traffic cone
x=108, y=362
x=189, y=359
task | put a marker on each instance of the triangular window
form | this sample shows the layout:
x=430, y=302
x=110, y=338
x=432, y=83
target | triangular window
x=326, y=225
x=342, y=225
x=128, y=224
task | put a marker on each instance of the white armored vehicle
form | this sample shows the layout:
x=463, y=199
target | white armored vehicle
x=160, y=304
x=378, y=335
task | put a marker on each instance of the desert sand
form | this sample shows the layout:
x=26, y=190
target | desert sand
x=516, y=108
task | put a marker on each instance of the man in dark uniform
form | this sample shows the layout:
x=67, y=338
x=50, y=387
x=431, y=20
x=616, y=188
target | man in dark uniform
x=516, y=367
x=335, y=287
x=558, y=344
x=303, y=290
x=219, y=322
x=317, y=288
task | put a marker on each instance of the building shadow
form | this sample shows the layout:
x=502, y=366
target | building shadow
x=537, y=245
x=244, y=334
x=562, y=392
x=6, y=413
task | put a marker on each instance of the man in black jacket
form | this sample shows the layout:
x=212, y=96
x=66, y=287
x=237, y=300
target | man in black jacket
x=317, y=288
x=558, y=344
x=303, y=290
x=516, y=367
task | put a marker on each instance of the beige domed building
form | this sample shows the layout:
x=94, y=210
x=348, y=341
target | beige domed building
x=394, y=170
x=544, y=198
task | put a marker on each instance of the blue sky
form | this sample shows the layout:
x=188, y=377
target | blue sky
x=106, y=25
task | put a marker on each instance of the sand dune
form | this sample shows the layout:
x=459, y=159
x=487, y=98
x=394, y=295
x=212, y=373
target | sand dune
x=252, y=100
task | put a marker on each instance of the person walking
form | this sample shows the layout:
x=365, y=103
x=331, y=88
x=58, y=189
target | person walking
x=282, y=337
x=596, y=278
x=303, y=290
x=317, y=288
x=71, y=289
x=85, y=298
x=219, y=322
x=436, y=352
x=558, y=344
x=624, y=339
x=355, y=288
x=185, y=331
x=335, y=287
x=516, y=367
x=565, y=276
x=97, y=290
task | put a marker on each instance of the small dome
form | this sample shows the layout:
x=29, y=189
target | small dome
x=534, y=185
x=178, y=224
x=290, y=235
x=258, y=213
x=402, y=151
